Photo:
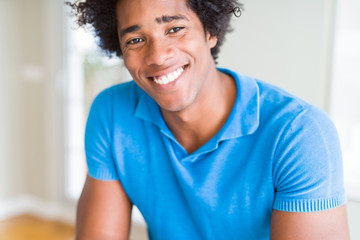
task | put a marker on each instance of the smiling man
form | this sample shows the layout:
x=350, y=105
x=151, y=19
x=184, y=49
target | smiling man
x=204, y=153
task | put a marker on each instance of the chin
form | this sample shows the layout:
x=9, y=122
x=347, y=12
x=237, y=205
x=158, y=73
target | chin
x=176, y=107
x=171, y=108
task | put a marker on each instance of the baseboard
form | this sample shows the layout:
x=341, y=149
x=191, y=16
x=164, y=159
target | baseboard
x=27, y=204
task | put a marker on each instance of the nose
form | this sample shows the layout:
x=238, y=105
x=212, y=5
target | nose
x=158, y=52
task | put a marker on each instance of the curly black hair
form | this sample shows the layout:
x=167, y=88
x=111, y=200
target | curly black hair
x=100, y=14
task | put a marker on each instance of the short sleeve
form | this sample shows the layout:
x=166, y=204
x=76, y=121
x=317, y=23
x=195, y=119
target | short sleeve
x=307, y=171
x=98, y=135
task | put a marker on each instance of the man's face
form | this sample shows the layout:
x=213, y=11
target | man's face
x=166, y=50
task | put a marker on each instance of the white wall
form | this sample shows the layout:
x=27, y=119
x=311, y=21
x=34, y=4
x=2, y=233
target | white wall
x=345, y=105
x=284, y=42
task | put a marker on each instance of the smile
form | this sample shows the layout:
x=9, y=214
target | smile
x=170, y=77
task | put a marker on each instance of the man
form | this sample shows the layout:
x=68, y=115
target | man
x=204, y=153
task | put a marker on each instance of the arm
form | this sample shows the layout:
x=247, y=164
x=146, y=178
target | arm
x=309, y=190
x=330, y=225
x=104, y=211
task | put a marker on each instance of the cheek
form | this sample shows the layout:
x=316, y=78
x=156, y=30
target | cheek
x=130, y=63
x=132, y=70
x=194, y=46
x=134, y=61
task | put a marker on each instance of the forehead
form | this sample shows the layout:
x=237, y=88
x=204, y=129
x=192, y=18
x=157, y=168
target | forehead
x=130, y=12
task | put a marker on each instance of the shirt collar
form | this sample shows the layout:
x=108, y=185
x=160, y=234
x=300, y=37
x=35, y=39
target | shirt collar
x=243, y=119
x=147, y=109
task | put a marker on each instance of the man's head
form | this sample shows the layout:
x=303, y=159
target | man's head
x=168, y=46
x=101, y=15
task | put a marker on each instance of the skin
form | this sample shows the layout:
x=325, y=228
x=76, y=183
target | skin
x=156, y=41
x=104, y=211
x=328, y=225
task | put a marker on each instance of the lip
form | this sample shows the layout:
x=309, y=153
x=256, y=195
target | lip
x=165, y=71
x=169, y=86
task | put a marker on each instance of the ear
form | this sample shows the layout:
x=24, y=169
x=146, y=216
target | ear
x=211, y=40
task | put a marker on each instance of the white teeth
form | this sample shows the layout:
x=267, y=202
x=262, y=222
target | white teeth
x=170, y=77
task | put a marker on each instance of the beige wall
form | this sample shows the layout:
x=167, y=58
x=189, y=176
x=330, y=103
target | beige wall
x=3, y=109
x=27, y=103
x=32, y=91
x=11, y=182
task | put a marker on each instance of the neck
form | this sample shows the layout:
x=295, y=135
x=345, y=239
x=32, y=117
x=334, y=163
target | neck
x=198, y=123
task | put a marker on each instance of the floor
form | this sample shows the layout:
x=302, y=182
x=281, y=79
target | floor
x=28, y=227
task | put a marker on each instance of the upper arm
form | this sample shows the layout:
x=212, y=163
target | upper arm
x=329, y=224
x=307, y=165
x=309, y=190
x=104, y=211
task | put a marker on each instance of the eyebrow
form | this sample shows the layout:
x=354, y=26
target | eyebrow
x=166, y=19
x=130, y=29
x=162, y=19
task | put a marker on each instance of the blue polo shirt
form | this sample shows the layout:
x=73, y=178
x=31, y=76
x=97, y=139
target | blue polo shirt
x=275, y=151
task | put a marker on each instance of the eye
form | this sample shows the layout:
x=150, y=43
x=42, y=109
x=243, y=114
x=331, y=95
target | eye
x=134, y=41
x=175, y=29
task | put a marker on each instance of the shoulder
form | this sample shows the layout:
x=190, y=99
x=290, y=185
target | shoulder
x=127, y=91
x=113, y=103
x=277, y=101
x=269, y=98
x=306, y=153
x=122, y=96
x=289, y=113
x=273, y=103
x=295, y=123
